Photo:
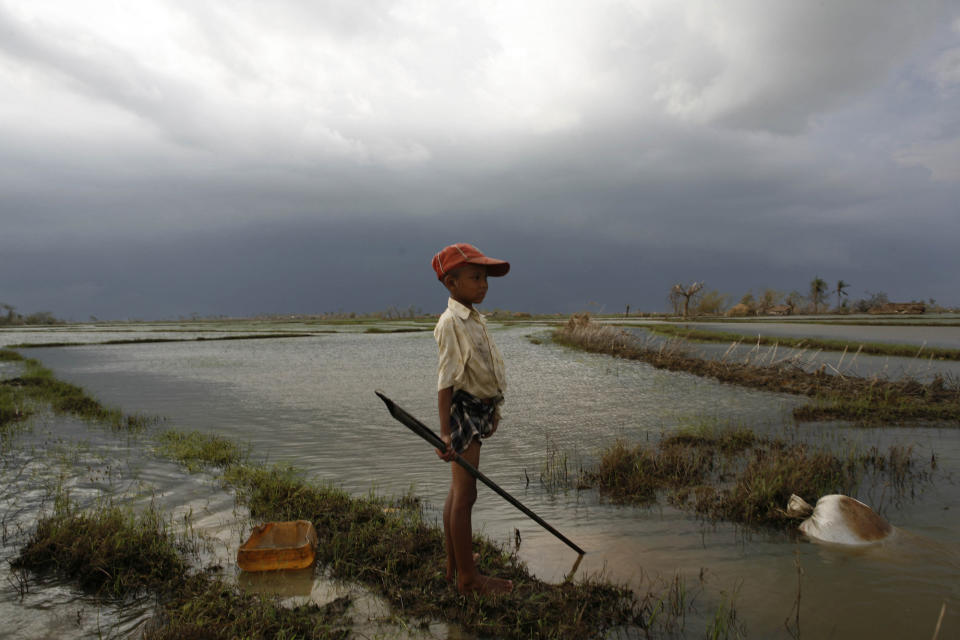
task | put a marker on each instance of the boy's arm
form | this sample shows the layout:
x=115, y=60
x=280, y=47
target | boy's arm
x=444, y=400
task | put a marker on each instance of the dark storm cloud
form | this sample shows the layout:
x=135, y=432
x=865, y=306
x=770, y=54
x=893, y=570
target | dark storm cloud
x=312, y=157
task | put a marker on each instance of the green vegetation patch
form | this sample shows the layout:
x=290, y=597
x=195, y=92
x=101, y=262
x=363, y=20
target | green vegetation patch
x=109, y=551
x=39, y=384
x=883, y=406
x=9, y=355
x=871, y=348
x=12, y=408
x=738, y=476
x=635, y=474
x=197, y=450
x=387, y=547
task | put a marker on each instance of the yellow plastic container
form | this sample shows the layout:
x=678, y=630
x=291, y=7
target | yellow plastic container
x=279, y=545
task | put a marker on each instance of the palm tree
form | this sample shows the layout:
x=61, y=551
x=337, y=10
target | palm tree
x=841, y=285
x=818, y=288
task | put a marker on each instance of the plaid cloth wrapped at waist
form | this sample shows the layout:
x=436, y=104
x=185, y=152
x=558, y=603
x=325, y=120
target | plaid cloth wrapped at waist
x=470, y=417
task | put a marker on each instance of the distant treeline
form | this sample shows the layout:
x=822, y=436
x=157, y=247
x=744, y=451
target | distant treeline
x=694, y=299
x=9, y=316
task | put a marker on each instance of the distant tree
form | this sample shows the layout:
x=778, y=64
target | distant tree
x=794, y=300
x=767, y=301
x=12, y=316
x=686, y=294
x=818, y=290
x=41, y=317
x=841, y=292
x=750, y=303
x=712, y=303
x=676, y=300
x=872, y=301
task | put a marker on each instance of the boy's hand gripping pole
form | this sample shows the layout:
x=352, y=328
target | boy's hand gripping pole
x=424, y=432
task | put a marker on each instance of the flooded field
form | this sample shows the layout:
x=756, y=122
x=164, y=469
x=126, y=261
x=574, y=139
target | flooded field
x=309, y=401
x=743, y=346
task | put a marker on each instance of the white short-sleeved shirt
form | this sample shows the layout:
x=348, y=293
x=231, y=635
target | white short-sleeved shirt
x=469, y=359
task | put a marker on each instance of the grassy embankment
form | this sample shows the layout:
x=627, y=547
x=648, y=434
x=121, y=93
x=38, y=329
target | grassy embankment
x=382, y=544
x=862, y=400
x=869, y=348
x=38, y=386
x=732, y=474
x=859, y=321
x=387, y=546
x=246, y=336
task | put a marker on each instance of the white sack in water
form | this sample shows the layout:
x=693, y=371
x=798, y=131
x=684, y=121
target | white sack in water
x=840, y=519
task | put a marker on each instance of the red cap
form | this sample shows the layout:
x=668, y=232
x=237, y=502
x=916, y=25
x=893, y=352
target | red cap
x=457, y=255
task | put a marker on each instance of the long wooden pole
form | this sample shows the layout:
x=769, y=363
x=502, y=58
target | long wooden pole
x=427, y=434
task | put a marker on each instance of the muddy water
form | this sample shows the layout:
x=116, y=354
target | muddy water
x=310, y=401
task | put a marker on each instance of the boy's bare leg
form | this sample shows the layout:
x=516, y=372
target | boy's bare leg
x=448, y=536
x=463, y=494
x=451, y=561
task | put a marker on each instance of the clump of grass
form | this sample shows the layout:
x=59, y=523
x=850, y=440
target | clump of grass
x=864, y=400
x=737, y=476
x=726, y=623
x=109, y=551
x=635, y=474
x=709, y=434
x=39, y=384
x=772, y=474
x=681, y=459
x=9, y=355
x=12, y=408
x=399, y=556
x=197, y=450
x=555, y=472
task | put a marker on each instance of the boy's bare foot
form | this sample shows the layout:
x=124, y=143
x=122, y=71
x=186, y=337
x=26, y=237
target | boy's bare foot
x=487, y=585
x=452, y=573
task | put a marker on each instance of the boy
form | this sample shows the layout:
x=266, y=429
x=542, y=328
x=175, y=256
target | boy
x=470, y=390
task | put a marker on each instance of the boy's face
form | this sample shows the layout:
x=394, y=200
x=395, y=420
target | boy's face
x=469, y=285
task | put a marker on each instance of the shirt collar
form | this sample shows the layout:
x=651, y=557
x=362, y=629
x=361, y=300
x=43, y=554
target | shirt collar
x=462, y=311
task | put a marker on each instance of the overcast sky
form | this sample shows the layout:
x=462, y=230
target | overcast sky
x=162, y=158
